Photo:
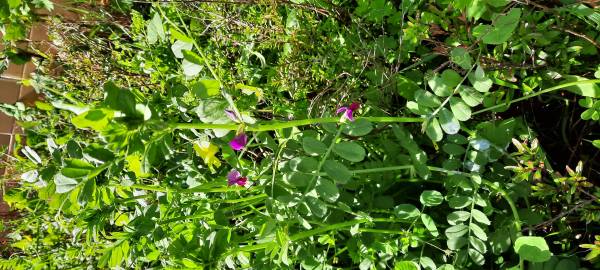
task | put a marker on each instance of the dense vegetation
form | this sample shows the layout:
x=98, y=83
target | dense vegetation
x=309, y=134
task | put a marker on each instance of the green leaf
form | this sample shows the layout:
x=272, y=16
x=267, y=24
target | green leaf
x=453, y=149
x=427, y=263
x=337, y=171
x=119, y=99
x=461, y=57
x=14, y=3
x=327, y=190
x=443, y=85
x=313, y=146
x=88, y=192
x=476, y=256
x=298, y=179
x=30, y=176
x=317, y=207
x=480, y=81
x=177, y=35
x=480, y=217
x=498, y=3
x=154, y=30
x=470, y=96
x=406, y=87
x=417, y=156
x=429, y=224
x=456, y=231
x=206, y=88
x=303, y=164
x=457, y=217
x=31, y=155
x=211, y=110
x=433, y=130
x=449, y=124
x=427, y=99
x=417, y=109
x=431, y=198
x=461, y=111
x=96, y=119
x=446, y=267
x=192, y=63
x=14, y=32
x=76, y=168
x=596, y=143
x=456, y=243
x=503, y=27
x=476, y=9
x=190, y=69
x=478, y=231
x=406, y=265
x=359, y=127
x=586, y=102
x=458, y=202
x=350, y=151
x=64, y=184
x=584, y=89
x=532, y=248
x=143, y=111
x=406, y=211
x=477, y=244
x=178, y=46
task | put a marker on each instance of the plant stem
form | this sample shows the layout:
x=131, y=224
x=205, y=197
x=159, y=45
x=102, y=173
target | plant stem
x=322, y=161
x=275, y=125
x=383, y=169
x=554, y=88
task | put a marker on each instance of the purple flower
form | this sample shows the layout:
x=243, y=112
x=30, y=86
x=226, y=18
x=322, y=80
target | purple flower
x=239, y=142
x=348, y=111
x=235, y=178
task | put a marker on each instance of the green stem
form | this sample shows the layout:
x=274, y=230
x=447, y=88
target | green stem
x=275, y=125
x=322, y=161
x=554, y=88
x=383, y=169
x=381, y=231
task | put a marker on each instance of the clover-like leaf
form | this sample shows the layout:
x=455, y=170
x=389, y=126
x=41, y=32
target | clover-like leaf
x=532, y=248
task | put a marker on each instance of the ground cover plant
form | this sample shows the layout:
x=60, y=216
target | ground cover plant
x=367, y=134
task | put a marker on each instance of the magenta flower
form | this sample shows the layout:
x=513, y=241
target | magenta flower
x=238, y=142
x=348, y=111
x=235, y=178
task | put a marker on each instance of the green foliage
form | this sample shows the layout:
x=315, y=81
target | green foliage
x=127, y=163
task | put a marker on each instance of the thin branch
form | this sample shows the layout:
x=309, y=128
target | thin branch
x=562, y=214
x=588, y=39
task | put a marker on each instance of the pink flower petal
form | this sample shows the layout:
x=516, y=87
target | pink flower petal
x=342, y=109
x=349, y=115
x=239, y=142
x=232, y=177
x=241, y=181
x=354, y=106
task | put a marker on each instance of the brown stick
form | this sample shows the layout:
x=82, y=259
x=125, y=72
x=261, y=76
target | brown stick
x=588, y=39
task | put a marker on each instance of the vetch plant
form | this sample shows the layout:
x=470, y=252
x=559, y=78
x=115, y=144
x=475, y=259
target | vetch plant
x=239, y=141
x=136, y=159
x=348, y=111
x=235, y=178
